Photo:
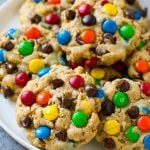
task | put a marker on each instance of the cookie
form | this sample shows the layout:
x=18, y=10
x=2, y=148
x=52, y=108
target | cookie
x=59, y=110
x=90, y=30
x=125, y=116
x=24, y=54
x=139, y=62
x=43, y=12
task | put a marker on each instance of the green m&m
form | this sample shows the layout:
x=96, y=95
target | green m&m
x=141, y=44
x=25, y=48
x=126, y=31
x=120, y=99
x=79, y=119
x=132, y=135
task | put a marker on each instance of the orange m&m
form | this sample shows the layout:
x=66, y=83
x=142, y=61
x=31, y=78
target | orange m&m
x=142, y=66
x=54, y=2
x=88, y=36
x=43, y=98
x=143, y=123
x=33, y=33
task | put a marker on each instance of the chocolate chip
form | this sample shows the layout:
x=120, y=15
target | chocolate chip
x=89, y=20
x=78, y=40
x=109, y=36
x=131, y=2
x=123, y=86
x=70, y=14
x=107, y=108
x=36, y=19
x=72, y=1
x=90, y=90
x=62, y=135
x=8, y=46
x=109, y=143
x=144, y=12
x=10, y=68
x=67, y=102
x=26, y=122
x=100, y=51
x=129, y=14
x=57, y=83
x=133, y=112
x=7, y=91
x=47, y=48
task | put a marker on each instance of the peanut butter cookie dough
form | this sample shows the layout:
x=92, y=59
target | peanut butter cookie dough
x=59, y=110
x=125, y=116
x=24, y=54
x=92, y=29
x=139, y=62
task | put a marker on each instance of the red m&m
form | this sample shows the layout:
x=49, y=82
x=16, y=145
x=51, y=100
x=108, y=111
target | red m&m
x=54, y=2
x=21, y=79
x=76, y=81
x=84, y=9
x=33, y=33
x=90, y=62
x=52, y=19
x=28, y=98
x=145, y=88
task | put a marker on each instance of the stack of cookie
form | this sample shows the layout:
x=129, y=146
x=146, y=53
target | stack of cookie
x=79, y=70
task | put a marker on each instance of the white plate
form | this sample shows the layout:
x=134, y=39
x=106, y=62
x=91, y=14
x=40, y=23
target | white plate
x=9, y=18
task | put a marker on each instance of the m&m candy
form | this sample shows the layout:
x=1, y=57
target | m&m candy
x=52, y=19
x=88, y=36
x=141, y=44
x=143, y=123
x=89, y=20
x=120, y=99
x=42, y=132
x=126, y=31
x=76, y=81
x=37, y=1
x=33, y=33
x=137, y=14
x=132, y=135
x=97, y=73
x=21, y=79
x=146, y=142
x=2, y=55
x=43, y=98
x=86, y=106
x=100, y=93
x=84, y=9
x=112, y=127
x=35, y=65
x=79, y=119
x=43, y=71
x=53, y=2
x=145, y=88
x=50, y=112
x=28, y=98
x=142, y=66
x=25, y=48
x=90, y=62
x=110, y=9
x=63, y=37
x=109, y=26
x=11, y=33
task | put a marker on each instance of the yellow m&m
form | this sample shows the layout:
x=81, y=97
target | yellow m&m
x=110, y=9
x=112, y=127
x=50, y=112
x=97, y=73
x=86, y=107
x=35, y=65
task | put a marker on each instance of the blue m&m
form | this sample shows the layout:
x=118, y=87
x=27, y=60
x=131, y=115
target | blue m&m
x=2, y=57
x=146, y=142
x=109, y=26
x=42, y=132
x=37, y=1
x=43, y=71
x=63, y=37
x=100, y=93
x=11, y=32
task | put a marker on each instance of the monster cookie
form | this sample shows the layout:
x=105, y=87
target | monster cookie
x=23, y=54
x=59, y=110
x=139, y=62
x=93, y=30
x=125, y=116
x=43, y=12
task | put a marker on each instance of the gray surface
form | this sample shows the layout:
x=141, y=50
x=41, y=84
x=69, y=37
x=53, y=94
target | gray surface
x=6, y=142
